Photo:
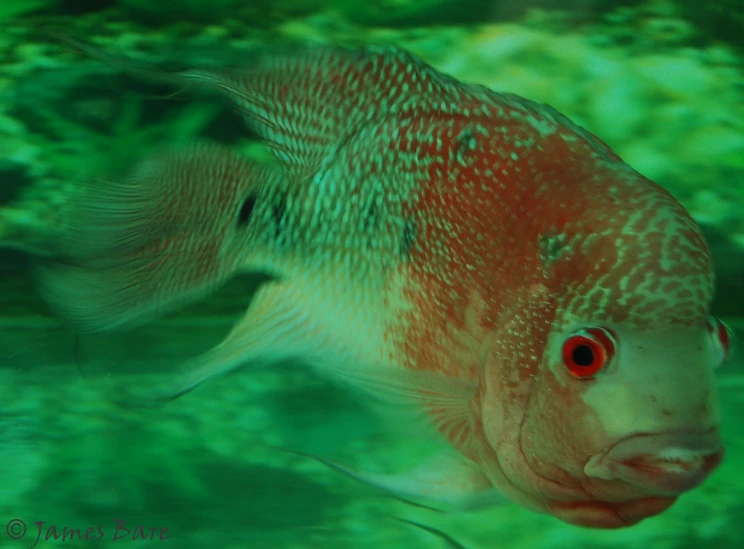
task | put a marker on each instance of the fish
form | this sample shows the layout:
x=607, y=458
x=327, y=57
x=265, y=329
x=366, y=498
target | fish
x=473, y=256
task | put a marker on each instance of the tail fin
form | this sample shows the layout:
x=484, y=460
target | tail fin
x=175, y=230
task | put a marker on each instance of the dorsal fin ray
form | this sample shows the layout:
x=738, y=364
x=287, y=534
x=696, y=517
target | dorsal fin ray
x=304, y=102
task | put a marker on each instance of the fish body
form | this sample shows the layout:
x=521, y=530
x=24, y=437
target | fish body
x=472, y=253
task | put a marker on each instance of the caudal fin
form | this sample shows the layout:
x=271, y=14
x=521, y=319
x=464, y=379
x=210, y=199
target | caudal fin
x=169, y=234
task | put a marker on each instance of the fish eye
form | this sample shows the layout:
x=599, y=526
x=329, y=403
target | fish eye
x=588, y=351
x=722, y=337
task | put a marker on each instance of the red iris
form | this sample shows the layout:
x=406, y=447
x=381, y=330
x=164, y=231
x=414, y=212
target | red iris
x=588, y=351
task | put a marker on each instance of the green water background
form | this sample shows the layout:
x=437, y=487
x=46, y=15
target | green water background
x=662, y=82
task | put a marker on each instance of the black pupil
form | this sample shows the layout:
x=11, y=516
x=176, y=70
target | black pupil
x=246, y=209
x=583, y=355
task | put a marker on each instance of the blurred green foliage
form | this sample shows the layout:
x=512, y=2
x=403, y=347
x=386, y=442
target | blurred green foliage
x=428, y=12
x=170, y=11
x=719, y=20
x=256, y=13
x=10, y=9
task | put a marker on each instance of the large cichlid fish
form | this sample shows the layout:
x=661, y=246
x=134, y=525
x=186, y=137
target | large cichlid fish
x=471, y=253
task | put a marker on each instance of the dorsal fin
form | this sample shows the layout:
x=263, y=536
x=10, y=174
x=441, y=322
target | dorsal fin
x=305, y=102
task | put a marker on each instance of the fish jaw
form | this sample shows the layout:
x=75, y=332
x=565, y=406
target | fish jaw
x=609, y=515
x=663, y=466
x=559, y=496
x=660, y=464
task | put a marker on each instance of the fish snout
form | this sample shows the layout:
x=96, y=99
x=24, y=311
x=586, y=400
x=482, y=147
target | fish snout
x=660, y=464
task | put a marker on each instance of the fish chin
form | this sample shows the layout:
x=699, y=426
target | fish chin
x=659, y=464
x=609, y=514
x=642, y=476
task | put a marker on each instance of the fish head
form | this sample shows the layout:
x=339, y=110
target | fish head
x=635, y=418
x=605, y=371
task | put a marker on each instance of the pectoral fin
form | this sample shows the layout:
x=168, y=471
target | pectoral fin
x=448, y=540
x=275, y=329
x=445, y=480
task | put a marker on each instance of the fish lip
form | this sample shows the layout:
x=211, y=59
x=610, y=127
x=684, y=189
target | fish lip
x=660, y=463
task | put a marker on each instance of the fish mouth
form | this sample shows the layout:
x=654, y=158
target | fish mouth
x=659, y=464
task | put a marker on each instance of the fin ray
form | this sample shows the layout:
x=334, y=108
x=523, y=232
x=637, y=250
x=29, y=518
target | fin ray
x=445, y=479
x=283, y=94
x=448, y=540
x=275, y=329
